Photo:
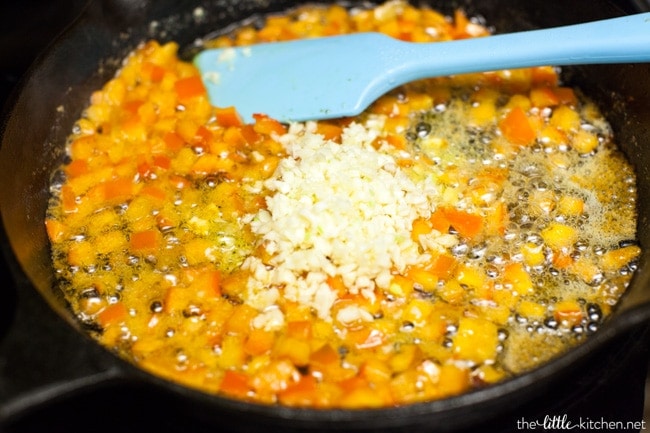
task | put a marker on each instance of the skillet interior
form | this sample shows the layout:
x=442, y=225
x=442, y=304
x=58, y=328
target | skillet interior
x=89, y=55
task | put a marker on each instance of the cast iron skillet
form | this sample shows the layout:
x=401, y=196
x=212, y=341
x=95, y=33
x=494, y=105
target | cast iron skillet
x=46, y=353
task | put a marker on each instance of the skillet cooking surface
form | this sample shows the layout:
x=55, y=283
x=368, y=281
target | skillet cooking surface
x=123, y=399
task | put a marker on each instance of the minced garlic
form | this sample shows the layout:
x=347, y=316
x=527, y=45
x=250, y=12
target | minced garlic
x=337, y=210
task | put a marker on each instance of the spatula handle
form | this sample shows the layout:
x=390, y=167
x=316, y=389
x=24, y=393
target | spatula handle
x=616, y=40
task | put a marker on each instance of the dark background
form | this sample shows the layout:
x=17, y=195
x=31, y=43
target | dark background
x=612, y=389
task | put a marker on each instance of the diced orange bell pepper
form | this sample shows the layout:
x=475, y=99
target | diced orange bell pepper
x=460, y=24
x=453, y=379
x=228, y=116
x=439, y=221
x=118, y=189
x=112, y=314
x=442, y=266
x=293, y=349
x=162, y=161
x=132, y=106
x=375, y=370
x=233, y=284
x=250, y=134
x=516, y=276
x=77, y=168
x=544, y=76
x=423, y=277
x=267, y=126
x=324, y=356
x=206, y=282
x=568, y=312
x=329, y=131
x=144, y=169
x=544, y=97
x=562, y=259
x=153, y=71
x=300, y=393
x=398, y=141
x=173, y=141
x=233, y=138
x=202, y=136
x=145, y=241
x=259, y=341
x=68, y=199
x=189, y=87
x=616, y=259
x=516, y=127
x=158, y=194
x=420, y=227
x=566, y=95
x=235, y=383
x=55, y=230
x=300, y=329
x=336, y=284
x=178, y=182
x=401, y=285
x=467, y=224
x=239, y=321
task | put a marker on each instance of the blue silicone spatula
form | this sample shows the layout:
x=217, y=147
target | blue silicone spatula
x=340, y=76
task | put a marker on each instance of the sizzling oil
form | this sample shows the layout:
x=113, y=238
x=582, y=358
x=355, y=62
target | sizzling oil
x=148, y=228
x=537, y=177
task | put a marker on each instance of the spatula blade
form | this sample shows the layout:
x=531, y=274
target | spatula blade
x=285, y=80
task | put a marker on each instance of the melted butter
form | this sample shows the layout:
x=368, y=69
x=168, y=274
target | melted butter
x=559, y=210
x=603, y=179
